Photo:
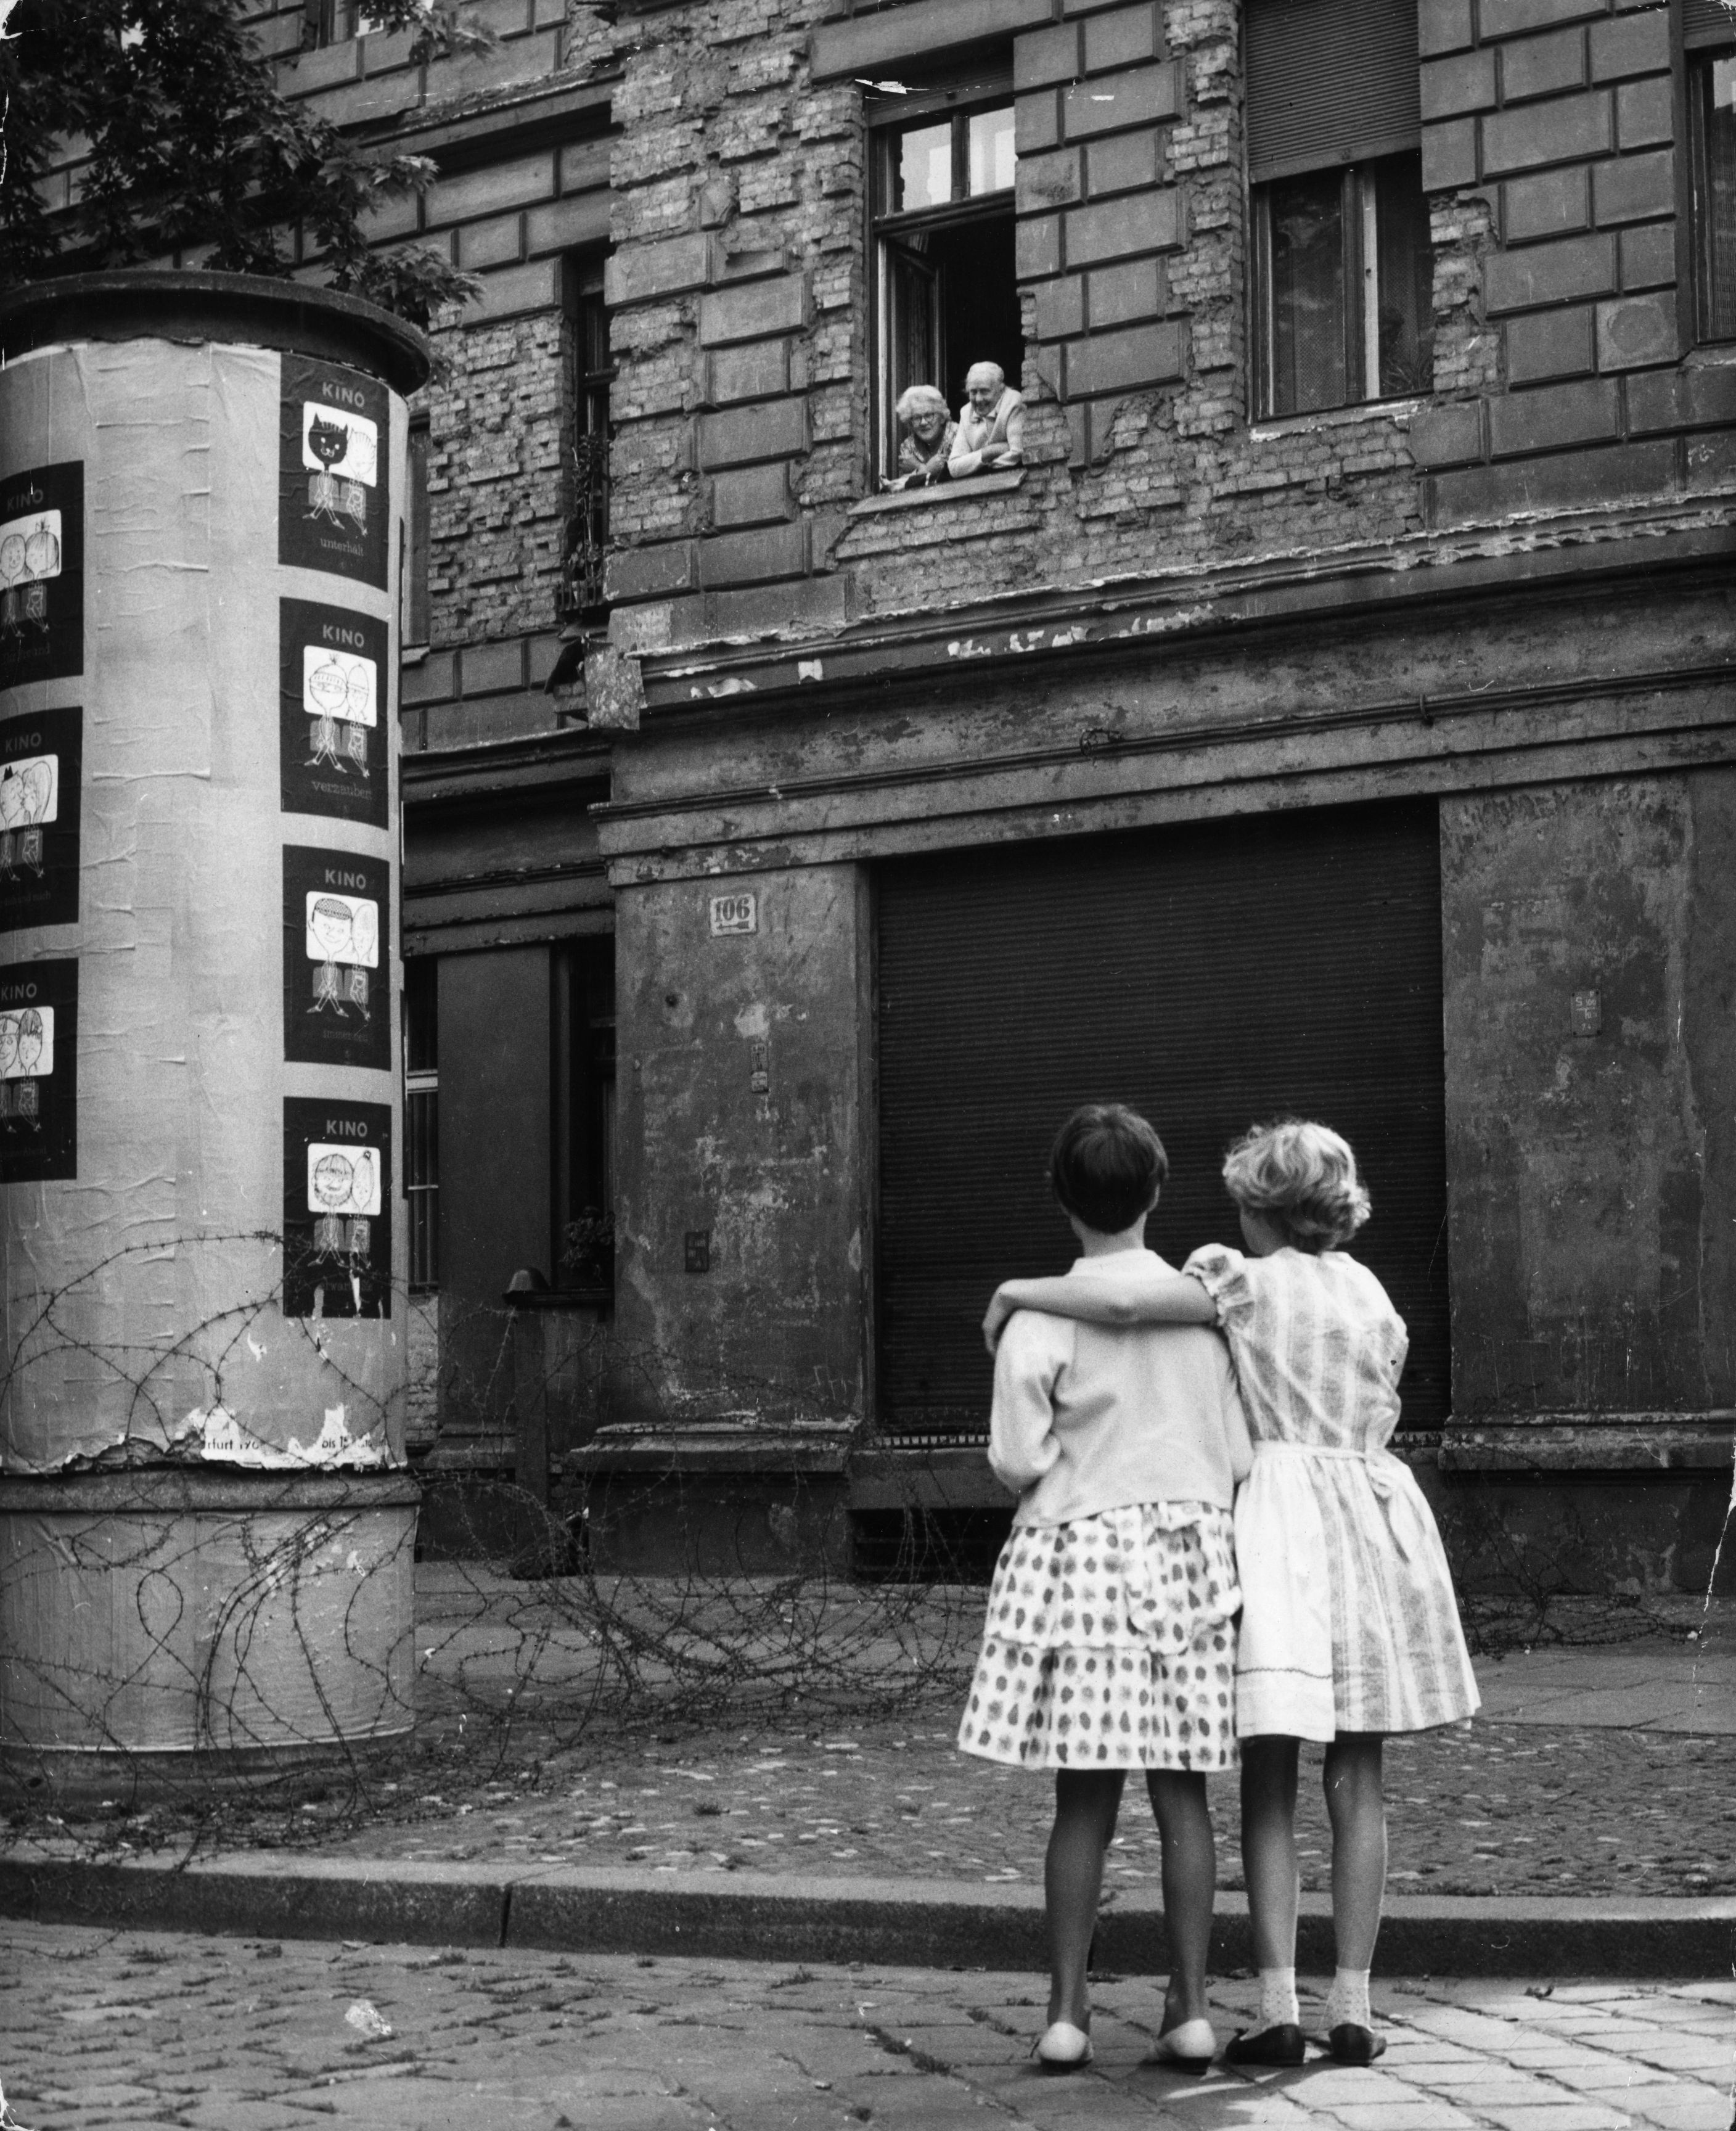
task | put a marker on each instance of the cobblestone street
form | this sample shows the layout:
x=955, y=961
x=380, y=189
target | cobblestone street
x=144, y=2029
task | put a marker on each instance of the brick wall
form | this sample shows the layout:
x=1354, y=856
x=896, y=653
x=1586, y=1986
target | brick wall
x=1550, y=137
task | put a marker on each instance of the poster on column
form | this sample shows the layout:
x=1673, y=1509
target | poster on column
x=42, y=574
x=337, y=1209
x=332, y=668
x=39, y=1086
x=332, y=499
x=337, y=964
x=40, y=765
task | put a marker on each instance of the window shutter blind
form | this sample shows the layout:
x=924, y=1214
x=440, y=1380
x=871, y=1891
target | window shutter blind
x=1330, y=82
x=1707, y=22
x=1211, y=974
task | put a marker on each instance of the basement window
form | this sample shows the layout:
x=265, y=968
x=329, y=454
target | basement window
x=945, y=285
x=1343, y=273
x=1711, y=86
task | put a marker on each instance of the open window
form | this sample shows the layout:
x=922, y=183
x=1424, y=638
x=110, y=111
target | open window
x=1708, y=36
x=589, y=373
x=333, y=22
x=1343, y=274
x=946, y=289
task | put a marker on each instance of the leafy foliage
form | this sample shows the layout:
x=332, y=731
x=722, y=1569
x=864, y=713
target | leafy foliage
x=193, y=150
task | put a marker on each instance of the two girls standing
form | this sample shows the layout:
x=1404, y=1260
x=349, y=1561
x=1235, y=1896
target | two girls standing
x=1349, y=1629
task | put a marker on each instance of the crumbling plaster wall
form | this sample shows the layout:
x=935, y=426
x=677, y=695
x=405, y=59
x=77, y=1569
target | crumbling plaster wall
x=726, y=134
x=740, y=1062
x=1591, y=1094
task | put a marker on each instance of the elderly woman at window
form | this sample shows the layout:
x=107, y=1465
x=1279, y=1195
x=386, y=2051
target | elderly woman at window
x=991, y=424
x=929, y=430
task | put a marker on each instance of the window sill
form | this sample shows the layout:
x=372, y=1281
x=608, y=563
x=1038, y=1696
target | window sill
x=413, y=655
x=1401, y=411
x=948, y=491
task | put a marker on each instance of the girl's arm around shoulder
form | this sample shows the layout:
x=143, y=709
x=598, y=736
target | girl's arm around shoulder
x=1140, y=1294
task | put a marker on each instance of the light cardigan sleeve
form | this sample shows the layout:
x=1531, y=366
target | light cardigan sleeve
x=1034, y=1350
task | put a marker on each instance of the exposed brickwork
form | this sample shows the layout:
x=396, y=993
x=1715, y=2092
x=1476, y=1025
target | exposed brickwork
x=729, y=176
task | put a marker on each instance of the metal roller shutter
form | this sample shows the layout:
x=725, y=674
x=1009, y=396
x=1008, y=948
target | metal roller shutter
x=1212, y=975
x=1329, y=82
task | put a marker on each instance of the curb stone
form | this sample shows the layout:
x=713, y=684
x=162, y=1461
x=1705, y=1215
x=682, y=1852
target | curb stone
x=931, y=1924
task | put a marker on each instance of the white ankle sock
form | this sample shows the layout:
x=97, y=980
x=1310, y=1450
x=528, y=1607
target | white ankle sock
x=1278, y=2006
x=1348, y=1999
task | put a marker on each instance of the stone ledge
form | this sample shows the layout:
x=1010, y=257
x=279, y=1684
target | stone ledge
x=1592, y=1442
x=726, y=1445
x=948, y=491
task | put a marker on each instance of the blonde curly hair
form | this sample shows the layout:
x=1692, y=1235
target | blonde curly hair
x=1303, y=1178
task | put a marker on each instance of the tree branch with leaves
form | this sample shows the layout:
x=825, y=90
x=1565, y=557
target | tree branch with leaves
x=192, y=148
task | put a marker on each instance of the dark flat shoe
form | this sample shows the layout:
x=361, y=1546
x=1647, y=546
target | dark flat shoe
x=1282, y=2045
x=1353, y=2045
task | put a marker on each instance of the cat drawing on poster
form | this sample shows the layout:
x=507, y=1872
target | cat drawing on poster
x=332, y=504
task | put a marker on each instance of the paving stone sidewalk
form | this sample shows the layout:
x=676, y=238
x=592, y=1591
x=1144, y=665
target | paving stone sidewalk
x=1594, y=1770
x=140, y=2030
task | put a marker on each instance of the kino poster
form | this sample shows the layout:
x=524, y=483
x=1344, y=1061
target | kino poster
x=42, y=574
x=40, y=761
x=331, y=501
x=39, y=1082
x=337, y=1209
x=333, y=712
x=337, y=996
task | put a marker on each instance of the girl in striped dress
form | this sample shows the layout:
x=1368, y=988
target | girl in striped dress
x=1349, y=1629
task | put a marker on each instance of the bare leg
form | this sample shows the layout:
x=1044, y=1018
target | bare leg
x=1356, y=1806
x=1086, y=1803
x=1268, y=1846
x=1190, y=1878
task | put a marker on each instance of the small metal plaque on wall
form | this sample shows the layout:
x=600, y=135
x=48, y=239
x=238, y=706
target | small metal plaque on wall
x=698, y=1243
x=734, y=913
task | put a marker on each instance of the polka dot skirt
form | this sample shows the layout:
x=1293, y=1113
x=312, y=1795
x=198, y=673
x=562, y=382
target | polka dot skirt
x=1110, y=1644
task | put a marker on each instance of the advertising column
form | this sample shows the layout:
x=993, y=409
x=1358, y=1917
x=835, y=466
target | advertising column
x=205, y=1531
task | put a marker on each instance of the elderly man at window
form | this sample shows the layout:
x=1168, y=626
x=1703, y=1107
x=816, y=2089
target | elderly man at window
x=929, y=431
x=991, y=424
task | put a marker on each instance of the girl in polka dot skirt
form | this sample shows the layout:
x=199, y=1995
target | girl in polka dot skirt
x=1110, y=1641
x=1350, y=1628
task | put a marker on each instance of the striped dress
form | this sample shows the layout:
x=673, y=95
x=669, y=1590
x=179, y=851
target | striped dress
x=1349, y=1621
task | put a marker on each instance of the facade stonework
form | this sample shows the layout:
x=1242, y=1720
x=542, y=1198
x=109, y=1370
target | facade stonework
x=1494, y=614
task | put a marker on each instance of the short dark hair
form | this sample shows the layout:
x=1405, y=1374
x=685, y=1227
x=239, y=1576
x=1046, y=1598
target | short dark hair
x=1107, y=1167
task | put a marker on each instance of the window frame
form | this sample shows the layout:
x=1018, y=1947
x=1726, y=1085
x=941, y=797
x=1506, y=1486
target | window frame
x=1361, y=325
x=421, y=1098
x=887, y=119
x=585, y=445
x=1698, y=56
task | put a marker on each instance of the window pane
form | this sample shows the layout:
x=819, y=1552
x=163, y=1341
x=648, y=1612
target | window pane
x=991, y=152
x=925, y=176
x=421, y=1014
x=1405, y=279
x=1717, y=245
x=1307, y=323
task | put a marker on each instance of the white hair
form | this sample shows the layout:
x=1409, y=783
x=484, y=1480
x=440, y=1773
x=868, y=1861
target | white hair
x=920, y=400
x=985, y=370
x=1303, y=1178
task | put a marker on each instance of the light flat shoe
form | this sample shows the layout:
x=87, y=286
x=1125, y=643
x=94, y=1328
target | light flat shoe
x=1063, y=2048
x=1190, y=2046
